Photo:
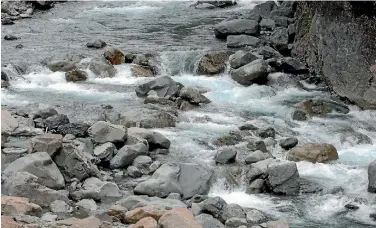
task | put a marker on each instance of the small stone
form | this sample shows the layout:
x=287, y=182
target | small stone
x=134, y=172
x=268, y=132
x=11, y=37
x=288, y=143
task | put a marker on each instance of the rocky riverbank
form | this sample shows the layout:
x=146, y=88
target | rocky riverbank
x=122, y=169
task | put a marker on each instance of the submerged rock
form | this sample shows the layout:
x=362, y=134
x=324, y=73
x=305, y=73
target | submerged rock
x=212, y=63
x=114, y=56
x=317, y=107
x=76, y=76
x=101, y=68
x=96, y=44
x=372, y=177
x=148, y=118
x=313, y=152
x=141, y=71
x=236, y=27
x=193, y=95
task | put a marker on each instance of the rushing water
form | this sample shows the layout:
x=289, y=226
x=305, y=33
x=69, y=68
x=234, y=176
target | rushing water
x=179, y=34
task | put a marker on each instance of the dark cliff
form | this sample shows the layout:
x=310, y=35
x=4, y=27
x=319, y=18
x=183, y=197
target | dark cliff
x=338, y=41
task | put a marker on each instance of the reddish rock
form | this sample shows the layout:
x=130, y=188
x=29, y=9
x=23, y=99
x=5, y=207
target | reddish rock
x=114, y=56
x=89, y=222
x=147, y=222
x=12, y=205
x=117, y=212
x=8, y=222
x=135, y=215
x=179, y=217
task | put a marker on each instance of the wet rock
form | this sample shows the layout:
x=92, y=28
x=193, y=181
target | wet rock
x=228, y=140
x=248, y=127
x=96, y=44
x=356, y=137
x=213, y=206
x=254, y=72
x=236, y=222
x=53, y=122
x=299, y=115
x=164, y=86
x=212, y=63
x=132, y=202
x=269, y=52
x=137, y=214
x=103, y=132
x=267, y=132
x=313, y=152
x=76, y=76
x=101, y=68
x=237, y=41
x=193, y=95
x=257, y=186
x=179, y=217
x=256, y=156
x=225, y=156
x=351, y=207
x=11, y=205
x=236, y=27
x=62, y=63
x=317, y=107
x=292, y=66
x=114, y=56
x=134, y=172
x=147, y=222
x=77, y=129
x=127, y=154
x=141, y=71
x=25, y=184
x=277, y=224
x=280, y=40
x=94, y=188
x=283, y=178
x=104, y=151
x=6, y=21
x=163, y=182
x=194, y=179
x=255, y=145
x=4, y=80
x=372, y=177
x=73, y=162
x=11, y=37
x=204, y=6
x=148, y=118
x=19, y=46
x=45, y=113
x=255, y=217
x=288, y=143
x=218, y=4
x=241, y=58
x=155, y=139
x=263, y=10
x=208, y=221
x=373, y=216
x=41, y=165
x=50, y=143
x=267, y=24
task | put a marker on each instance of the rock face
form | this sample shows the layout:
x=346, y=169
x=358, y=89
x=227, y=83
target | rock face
x=236, y=27
x=254, y=72
x=326, y=34
x=179, y=217
x=313, y=152
x=41, y=165
x=372, y=177
x=164, y=86
x=212, y=63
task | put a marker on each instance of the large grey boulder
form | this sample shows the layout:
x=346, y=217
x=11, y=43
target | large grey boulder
x=193, y=95
x=334, y=33
x=148, y=118
x=208, y=221
x=101, y=68
x=132, y=202
x=73, y=162
x=236, y=27
x=164, y=86
x=103, y=132
x=41, y=165
x=155, y=139
x=372, y=177
x=50, y=143
x=225, y=155
x=283, y=178
x=163, y=182
x=212, y=63
x=254, y=72
x=24, y=184
x=313, y=152
x=241, y=58
x=127, y=154
x=238, y=41
x=194, y=179
x=94, y=188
